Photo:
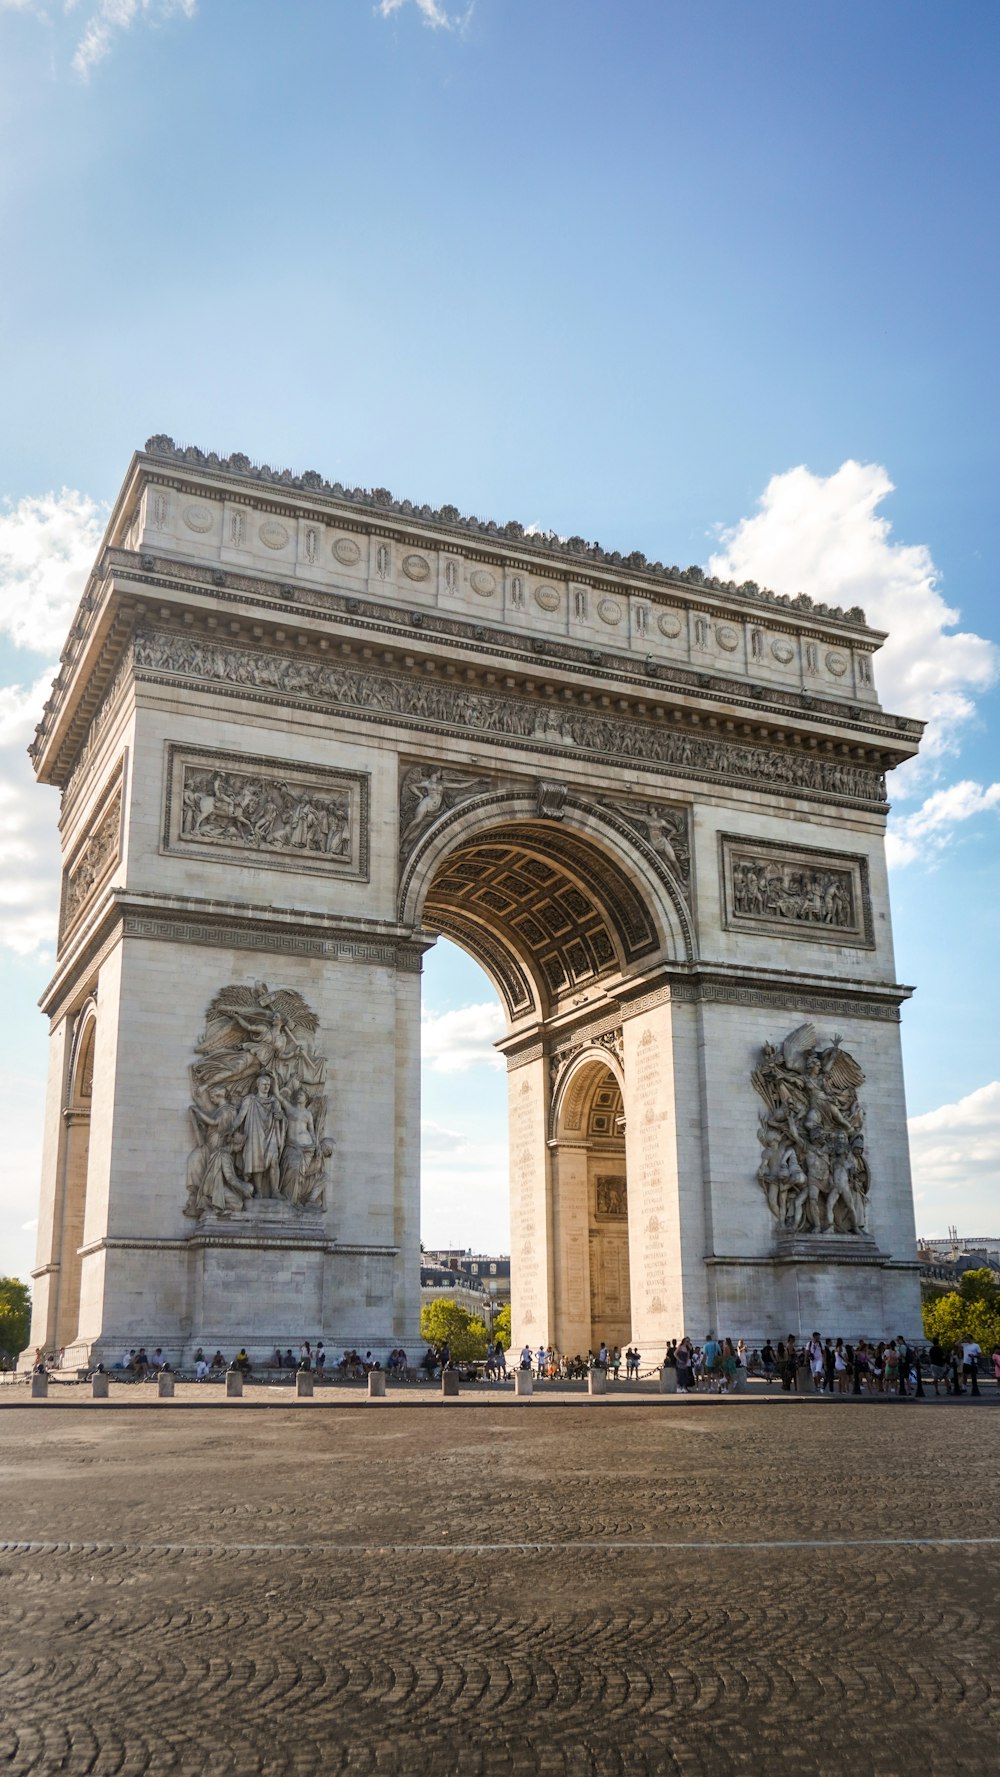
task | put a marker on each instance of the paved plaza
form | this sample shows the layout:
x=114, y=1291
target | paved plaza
x=630, y=1588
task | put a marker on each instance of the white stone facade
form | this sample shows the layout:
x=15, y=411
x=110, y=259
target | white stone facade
x=300, y=732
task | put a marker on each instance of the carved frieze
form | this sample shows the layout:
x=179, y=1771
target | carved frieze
x=506, y=718
x=813, y=1169
x=93, y=860
x=795, y=892
x=258, y=1105
x=239, y=808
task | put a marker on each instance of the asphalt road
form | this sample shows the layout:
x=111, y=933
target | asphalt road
x=707, y=1587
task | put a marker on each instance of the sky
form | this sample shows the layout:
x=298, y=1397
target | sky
x=714, y=281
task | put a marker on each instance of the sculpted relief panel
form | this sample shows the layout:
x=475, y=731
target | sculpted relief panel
x=244, y=809
x=795, y=892
x=92, y=862
x=813, y=1170
x=258, y=1105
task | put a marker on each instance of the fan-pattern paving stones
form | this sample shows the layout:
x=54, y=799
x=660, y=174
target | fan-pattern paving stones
x=151, y=1624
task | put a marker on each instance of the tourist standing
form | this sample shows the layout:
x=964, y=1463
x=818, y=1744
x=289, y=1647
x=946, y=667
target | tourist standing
x=970, y=1363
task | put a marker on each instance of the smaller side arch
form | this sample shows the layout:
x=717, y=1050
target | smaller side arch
x=573, y=1085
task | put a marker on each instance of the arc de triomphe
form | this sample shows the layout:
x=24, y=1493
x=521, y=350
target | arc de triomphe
x=299, y=731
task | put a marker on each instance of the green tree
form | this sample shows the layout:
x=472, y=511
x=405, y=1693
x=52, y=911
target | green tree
x=443, y=1320
x=501, y=1326
x=15, y=1315
x=980, y=1286
x=966, y=1314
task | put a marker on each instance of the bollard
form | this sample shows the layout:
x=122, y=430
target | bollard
x=597, y=1382
x=165, y=1385
x=449, y=1384
x=376, y=1385
x=522, y=1382
x=303, y=1383
x=99, y=1385
x=668, y=1379
x=39, y=1386
x=234, y=1383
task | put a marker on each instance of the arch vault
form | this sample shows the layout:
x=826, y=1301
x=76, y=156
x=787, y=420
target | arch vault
x=300, y=731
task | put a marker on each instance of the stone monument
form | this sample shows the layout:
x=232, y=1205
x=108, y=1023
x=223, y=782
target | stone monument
x=299, y=731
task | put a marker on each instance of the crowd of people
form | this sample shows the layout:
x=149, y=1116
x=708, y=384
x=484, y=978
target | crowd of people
x=818, y=1365
x=830, y=1366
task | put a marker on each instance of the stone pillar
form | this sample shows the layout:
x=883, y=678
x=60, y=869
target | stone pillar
x=165, y=1386
x=45, y=1277
x=571, y=1246
x=39, y=1386
x=449, y=1384
x=597, y=1382
x=666, y=1190
x=522, y=1382
x=530, y=1220
x=376, y=1385
x=668, y=1380
x=234, y=1383
x=304, y=1383
x=99, y=1385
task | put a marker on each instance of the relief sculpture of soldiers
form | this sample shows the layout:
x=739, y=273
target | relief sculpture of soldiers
x=780, y=891
x=258, y=813
x=258, y=1107
x=813, y=1170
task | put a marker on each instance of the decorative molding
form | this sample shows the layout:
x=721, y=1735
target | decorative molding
x=96, y=855
x=380, y=501
x=506, y=719
x=795, y=891
x=231, y=932
x=273, y=813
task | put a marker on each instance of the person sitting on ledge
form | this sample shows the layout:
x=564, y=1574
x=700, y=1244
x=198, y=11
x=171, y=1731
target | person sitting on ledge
x=201, y=1365
x=241, y=1361
x=218, y=1363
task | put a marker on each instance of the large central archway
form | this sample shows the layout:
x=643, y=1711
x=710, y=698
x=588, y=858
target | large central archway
x=566, y=912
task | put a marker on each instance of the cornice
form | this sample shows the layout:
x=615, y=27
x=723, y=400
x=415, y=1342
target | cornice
x=707, y=984
x=191, y=919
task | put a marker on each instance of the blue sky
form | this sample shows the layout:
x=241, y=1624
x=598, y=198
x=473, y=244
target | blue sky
x=711, y=279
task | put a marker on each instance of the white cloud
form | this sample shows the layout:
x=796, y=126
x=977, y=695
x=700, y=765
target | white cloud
x=452, y=1042
x=29, y=840
x=22, y=1110
x=929, y=830
x=111, y=17
x=465, y=1189
x=432, y=12
x=957, y=1148
x=47, y=547
x=823, y=535
x=107, y=20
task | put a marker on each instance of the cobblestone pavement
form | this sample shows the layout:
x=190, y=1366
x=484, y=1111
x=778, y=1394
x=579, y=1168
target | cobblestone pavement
x=315, y=1592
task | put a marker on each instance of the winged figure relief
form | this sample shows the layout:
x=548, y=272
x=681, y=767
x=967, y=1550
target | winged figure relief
x=813, y=1169
x=428, y=789
x=258, y=1109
